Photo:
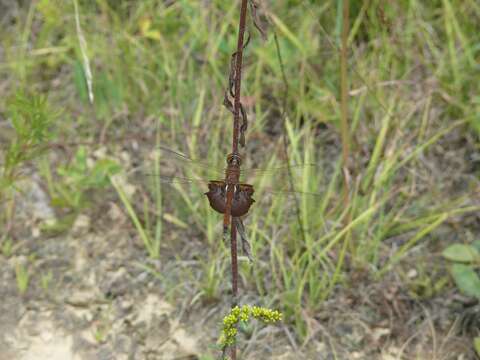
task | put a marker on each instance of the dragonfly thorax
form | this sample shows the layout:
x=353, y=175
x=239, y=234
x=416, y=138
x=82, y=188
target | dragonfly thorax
x=232, y=173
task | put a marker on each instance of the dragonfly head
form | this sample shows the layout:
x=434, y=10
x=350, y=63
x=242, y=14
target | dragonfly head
x=234, y=159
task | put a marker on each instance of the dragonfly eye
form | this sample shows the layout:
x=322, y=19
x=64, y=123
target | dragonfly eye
x=234, y=159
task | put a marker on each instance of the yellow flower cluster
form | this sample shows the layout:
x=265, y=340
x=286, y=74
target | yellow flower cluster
x=266, y=315
x=243, y=314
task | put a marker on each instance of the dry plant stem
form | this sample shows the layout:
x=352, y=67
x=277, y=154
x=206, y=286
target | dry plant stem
x=233, y=251
x=235, y=138
x=238, y=76
x=344, y=101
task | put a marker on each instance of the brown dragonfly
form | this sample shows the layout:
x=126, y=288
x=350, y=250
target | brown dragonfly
x=232, y=198
x=180, y=169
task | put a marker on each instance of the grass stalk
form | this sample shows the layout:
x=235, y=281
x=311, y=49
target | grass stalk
x=153, y=249
x=344, y=99
x=423, y=232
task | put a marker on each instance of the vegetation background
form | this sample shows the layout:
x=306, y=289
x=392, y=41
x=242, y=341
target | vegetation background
x=100, y=258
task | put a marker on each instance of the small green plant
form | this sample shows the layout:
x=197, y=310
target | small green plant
x=80, y=176
x=100, y=334
x=45, y=280
x=31, y=119
x=424, y=280
x=7, y=247
x=29, y=132
x=243, y=314
x=22, y=277
x=465, y=260
x=102, y=326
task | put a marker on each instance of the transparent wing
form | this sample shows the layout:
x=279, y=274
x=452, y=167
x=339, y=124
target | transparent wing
x=282, y=172
x=179, y=165
x=174, y=163
x=282, y=189
x=174, y=167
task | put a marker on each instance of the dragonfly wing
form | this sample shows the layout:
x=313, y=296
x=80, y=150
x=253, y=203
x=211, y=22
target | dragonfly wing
x=291, y=180
x=173, y=180
x=283, y=169
x=174, y=163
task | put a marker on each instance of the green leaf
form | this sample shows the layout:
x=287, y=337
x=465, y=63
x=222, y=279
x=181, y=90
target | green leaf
x=100, y=173
x=476, y=245
x=80, y=81
x=460, y=253
x=476, y=345
x=466, y=279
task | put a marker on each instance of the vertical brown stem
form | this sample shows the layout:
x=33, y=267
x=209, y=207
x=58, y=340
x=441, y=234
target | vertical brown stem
x=236, y=130
x=344, y=99
x=233, y=250
x=238, y=76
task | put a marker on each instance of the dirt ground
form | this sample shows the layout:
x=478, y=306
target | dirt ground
x=101, y=305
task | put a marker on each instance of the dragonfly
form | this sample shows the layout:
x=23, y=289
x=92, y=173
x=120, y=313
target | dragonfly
x=231, y=192
x=232, y=198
